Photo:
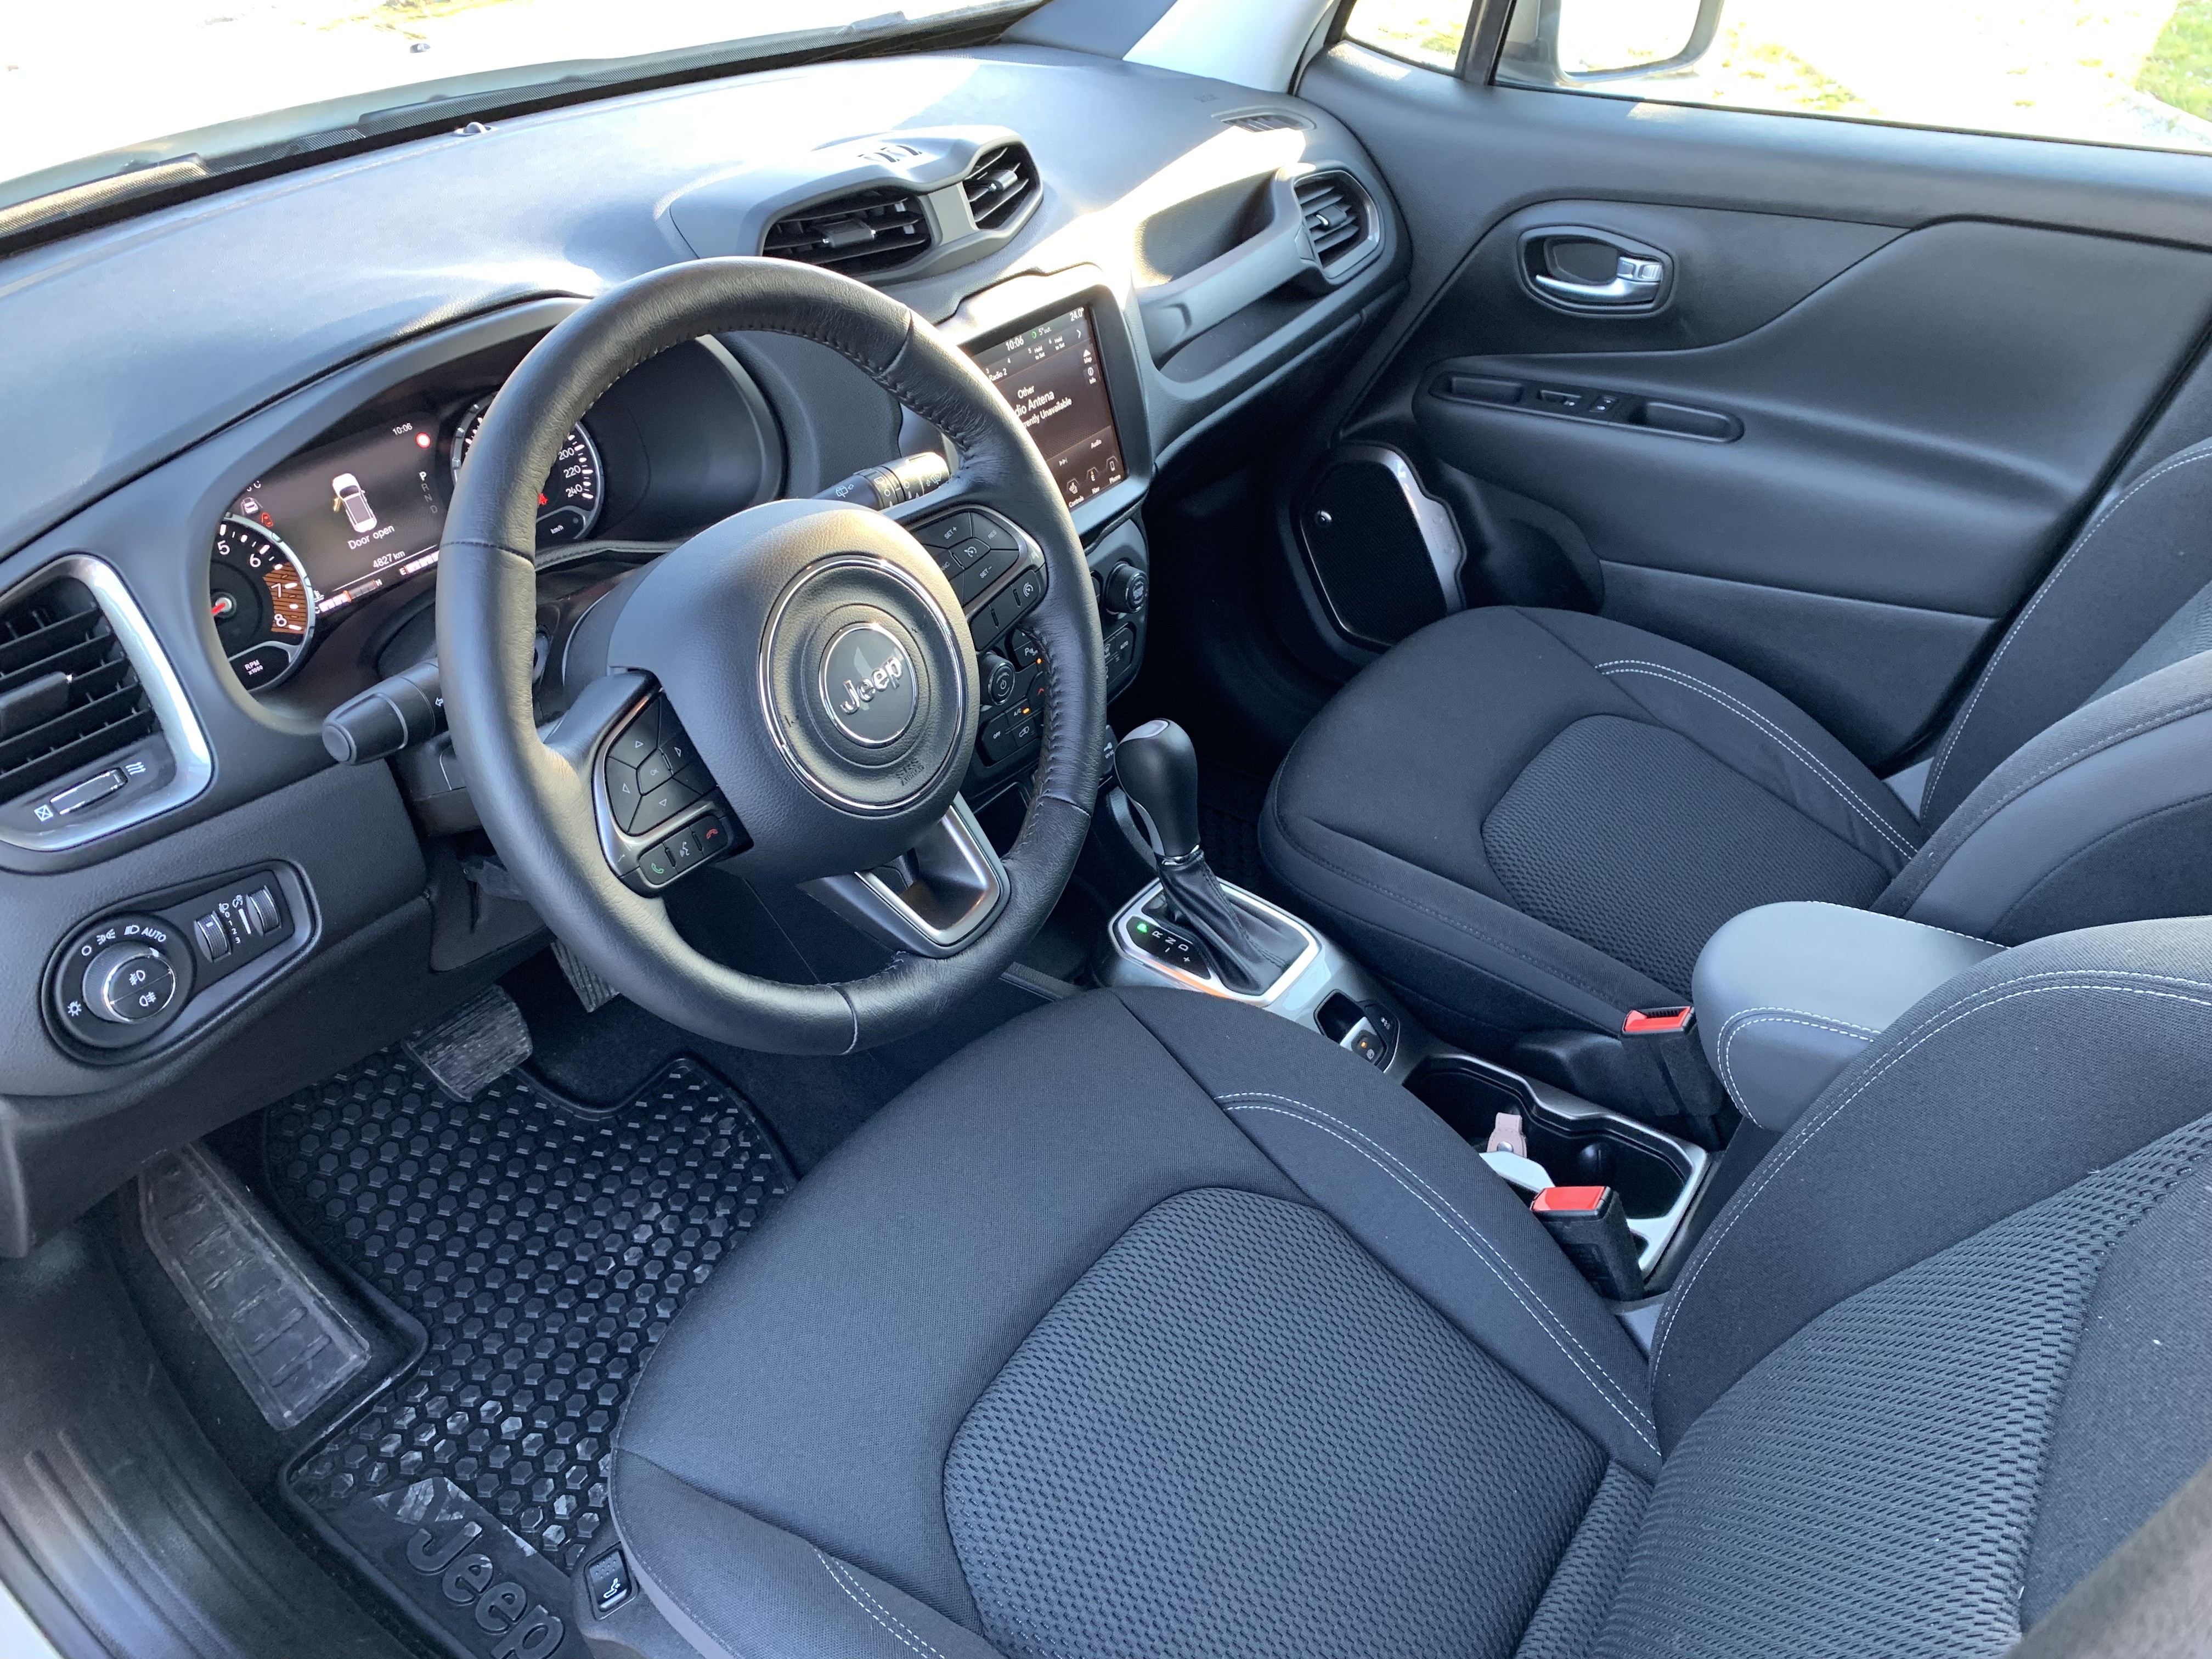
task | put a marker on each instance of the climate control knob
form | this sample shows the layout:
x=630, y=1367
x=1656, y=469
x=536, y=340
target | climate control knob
x=130, y=983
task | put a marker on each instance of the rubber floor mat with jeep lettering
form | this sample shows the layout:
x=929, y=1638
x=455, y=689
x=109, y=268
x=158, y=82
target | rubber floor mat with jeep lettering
x=542, y=1251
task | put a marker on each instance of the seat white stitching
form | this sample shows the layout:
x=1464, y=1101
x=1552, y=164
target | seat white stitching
x=867, y=1603
x=1965, y=714
x=1608, y=1390
x=1736, y=706
x=1974, y=1003
x=1744, y=1019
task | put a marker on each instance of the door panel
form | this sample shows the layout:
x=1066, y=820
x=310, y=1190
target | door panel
x=1883, y=410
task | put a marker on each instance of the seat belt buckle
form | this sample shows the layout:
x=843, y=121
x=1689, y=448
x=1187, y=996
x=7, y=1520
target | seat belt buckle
x=1590, y=1224
x=1669, y=1063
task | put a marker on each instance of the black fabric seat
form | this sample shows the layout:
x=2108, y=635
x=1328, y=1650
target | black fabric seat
x=1154, y=1324
x=1531, y=821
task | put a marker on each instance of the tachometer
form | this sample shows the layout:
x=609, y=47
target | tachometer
x=264, y=609
x=569, y=500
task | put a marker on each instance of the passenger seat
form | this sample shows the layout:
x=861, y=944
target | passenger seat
x=1529, y=821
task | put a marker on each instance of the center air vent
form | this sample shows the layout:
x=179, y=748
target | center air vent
x=1340, y=219
x=1001, y=185
x=69, y=695
x=865, y=233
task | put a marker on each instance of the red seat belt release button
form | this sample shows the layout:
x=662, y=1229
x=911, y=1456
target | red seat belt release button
x=1590, y=1224
x=1571, y=1201
x=1657, y=1022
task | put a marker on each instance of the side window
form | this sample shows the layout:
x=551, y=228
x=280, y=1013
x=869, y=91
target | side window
x=2135, y=72
x=1425, y=32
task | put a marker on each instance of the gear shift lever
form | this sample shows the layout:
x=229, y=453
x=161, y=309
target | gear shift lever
x=1158, y=767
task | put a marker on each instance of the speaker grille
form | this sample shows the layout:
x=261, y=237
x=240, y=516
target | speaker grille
x=1367, y=553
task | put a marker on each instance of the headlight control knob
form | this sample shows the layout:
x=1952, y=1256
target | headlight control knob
x=121, y=981
x=130, y=983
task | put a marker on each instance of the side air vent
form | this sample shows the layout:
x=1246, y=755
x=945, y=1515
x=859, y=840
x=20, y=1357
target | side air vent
x=867, y=233
x=1001, y=185
x=1340, y=218
x=69, y=695
x=1271, y=120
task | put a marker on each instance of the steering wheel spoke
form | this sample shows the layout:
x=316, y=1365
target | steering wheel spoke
x=659, y=813
x=933, y=898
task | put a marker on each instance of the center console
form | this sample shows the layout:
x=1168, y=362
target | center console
x=1184, y=932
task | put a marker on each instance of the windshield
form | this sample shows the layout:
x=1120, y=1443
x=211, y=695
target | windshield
x=90, y=86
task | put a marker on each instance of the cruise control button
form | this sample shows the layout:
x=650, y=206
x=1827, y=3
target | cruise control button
x=947, y=531
x=994, y=534
x=959, y=559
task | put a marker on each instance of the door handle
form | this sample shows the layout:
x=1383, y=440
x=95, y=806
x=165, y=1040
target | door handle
x=1582, y=268
x=1636, y=282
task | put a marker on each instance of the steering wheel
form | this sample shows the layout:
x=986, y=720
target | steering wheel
x=811, y=653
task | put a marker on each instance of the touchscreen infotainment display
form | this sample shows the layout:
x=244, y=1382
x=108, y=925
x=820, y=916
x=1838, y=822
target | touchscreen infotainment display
x=1051, y=376
x=361, y=514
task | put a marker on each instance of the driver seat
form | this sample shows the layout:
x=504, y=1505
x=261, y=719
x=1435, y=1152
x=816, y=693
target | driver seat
x=1152, y=1324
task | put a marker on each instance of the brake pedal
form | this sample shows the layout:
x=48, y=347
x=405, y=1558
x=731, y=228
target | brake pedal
x=473, y=1046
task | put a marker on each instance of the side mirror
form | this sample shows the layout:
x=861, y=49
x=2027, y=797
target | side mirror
x=1579, y=43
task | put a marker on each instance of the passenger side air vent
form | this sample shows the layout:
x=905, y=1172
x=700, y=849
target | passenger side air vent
x=1340, y=219
x=999, y=187
x=69, y=695
x=867, y=233
x=1271, y=120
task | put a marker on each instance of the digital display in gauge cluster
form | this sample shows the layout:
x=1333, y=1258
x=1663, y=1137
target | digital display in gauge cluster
x=332, y=526
x=1052, y=378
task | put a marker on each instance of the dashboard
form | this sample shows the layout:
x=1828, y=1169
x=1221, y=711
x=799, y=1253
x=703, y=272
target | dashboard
x=223, y=485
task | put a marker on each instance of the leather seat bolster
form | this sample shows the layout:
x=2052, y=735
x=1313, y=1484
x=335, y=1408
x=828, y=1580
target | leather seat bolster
x=1788, y=994
x=1417, y=1196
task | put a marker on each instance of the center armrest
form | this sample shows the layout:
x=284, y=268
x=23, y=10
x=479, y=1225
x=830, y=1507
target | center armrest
x=1787, y=995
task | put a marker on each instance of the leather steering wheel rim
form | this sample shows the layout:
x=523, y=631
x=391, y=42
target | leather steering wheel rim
x=535, y=799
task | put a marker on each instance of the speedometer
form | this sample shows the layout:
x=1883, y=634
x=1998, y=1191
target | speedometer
x=569, y=500
x=263, y=607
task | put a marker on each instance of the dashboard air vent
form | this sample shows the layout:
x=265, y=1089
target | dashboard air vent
x=866, y=233
x=1271, y=120
x=1339, y=217
x=1001, y=185
x=69, y=696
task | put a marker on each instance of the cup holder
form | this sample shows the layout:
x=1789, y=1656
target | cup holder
x=1578, y=1144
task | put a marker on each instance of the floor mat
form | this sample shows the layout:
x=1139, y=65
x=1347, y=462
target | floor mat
x=544, y=1252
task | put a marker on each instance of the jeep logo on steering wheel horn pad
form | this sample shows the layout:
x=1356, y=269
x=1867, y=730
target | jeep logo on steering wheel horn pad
x=867, y=684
